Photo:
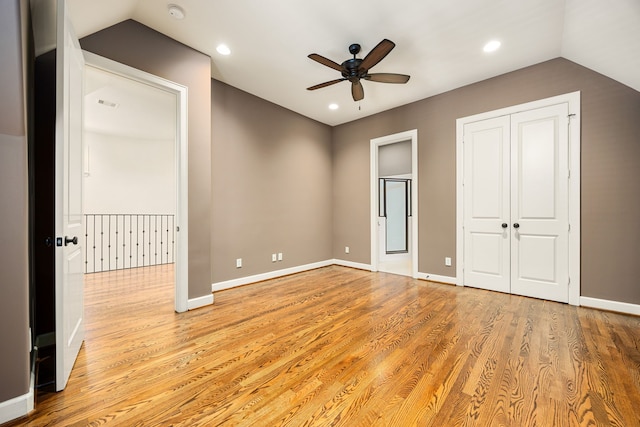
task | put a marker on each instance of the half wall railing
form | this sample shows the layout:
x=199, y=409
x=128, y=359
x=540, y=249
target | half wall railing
x=121, y=241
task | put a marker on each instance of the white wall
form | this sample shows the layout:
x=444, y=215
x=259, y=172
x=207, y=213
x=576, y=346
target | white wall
x=129, y=175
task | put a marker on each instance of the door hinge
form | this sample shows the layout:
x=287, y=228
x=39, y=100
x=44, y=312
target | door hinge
x=569, y=229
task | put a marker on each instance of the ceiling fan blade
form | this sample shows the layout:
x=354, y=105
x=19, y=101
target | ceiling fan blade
x=325, y=61
x=357, y=91
x=325, y=84
x=377, y=54
x=387, y=78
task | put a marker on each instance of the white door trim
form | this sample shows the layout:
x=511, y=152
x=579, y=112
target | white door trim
x=410, y=135
x=573, y=100
x=182, y=211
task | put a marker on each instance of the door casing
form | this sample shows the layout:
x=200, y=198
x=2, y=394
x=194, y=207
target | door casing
x=411, y=135
x=573, y=100
x=181, y=156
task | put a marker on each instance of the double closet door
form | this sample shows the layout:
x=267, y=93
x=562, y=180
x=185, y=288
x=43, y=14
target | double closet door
x=516, y=203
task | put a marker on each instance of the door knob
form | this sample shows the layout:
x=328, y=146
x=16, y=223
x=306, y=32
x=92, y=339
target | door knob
x=68, y=240
x=516, y=225
x=505, y=225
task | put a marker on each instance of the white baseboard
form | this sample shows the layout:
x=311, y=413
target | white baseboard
x=16, y=407
x=352, y=264
x=603, y=304
x=228, y=284
x=621, y=307
x=199, y=302
x=437, y=278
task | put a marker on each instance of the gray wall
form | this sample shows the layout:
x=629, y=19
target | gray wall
x=271, y=185
x=610, y=171
x=138, y=46
x=14, y=276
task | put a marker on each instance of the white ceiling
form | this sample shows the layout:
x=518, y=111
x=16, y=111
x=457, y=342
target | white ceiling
x=128, y=108
x=439, y=43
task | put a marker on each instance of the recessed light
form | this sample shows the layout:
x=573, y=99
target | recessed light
x=333, y=106
x=223, y=49
x=492, y=46
x=176, y=11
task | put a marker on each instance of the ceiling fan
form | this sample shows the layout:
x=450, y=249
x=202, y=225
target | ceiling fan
x=355, y=69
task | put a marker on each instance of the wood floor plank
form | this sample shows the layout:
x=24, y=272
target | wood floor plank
x=344, y=347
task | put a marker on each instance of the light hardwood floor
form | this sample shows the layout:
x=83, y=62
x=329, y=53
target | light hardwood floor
x=339, y=346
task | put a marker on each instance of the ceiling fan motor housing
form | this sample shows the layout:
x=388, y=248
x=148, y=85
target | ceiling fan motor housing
x=351, y=69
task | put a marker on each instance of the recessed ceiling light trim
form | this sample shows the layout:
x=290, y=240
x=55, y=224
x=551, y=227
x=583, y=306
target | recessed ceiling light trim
x=223, y=49
x=492, y=46
x=176, y=11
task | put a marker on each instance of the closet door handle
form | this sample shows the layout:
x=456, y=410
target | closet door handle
x=505, y=225
x=516, y=225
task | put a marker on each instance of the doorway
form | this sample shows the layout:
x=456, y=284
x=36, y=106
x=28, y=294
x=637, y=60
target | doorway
x=142, y=145
x=394, y=221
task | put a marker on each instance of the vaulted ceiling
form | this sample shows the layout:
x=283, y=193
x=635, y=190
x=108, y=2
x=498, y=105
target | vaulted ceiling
x=439, y=43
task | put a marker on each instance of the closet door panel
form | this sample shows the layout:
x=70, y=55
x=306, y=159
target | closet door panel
x=539, y=203
x=486, y=204
x=537, y=171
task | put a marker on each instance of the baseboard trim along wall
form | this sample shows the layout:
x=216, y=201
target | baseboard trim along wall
x=202, y=301
x=351, y=264
x=436, y=278
x=228, y=284
x=16, y=407
x=621, y=307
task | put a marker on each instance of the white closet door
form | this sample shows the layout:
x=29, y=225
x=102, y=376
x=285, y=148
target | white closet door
x=486, y=204
x=539, y=203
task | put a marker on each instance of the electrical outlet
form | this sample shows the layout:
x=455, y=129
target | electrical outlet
x=238, y=262
x=447, y=261
x=274, y=257
x=279, y=256
x=346, y=249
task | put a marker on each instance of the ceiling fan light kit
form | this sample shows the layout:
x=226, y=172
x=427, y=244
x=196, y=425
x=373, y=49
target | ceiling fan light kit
x=355, y=69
